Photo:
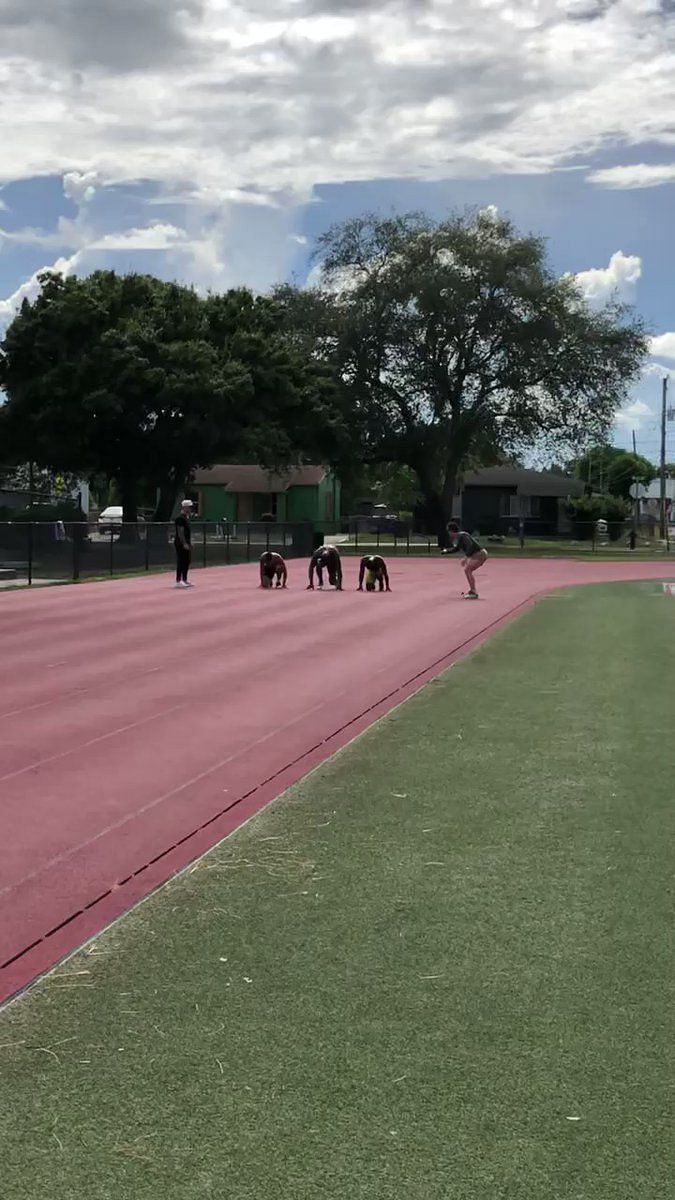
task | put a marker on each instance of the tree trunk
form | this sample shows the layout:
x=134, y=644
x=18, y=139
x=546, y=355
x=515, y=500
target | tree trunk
x=438, y=503
x=128, y=490
x=169, y=491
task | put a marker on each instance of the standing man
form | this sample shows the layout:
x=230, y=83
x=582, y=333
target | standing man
x=327, y=559
x=183, y=543
x=374, y=569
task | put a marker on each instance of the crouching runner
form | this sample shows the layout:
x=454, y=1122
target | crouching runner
x=374, y=570
x=273, y=570
x=327, y=559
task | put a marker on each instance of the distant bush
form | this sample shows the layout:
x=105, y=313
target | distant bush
x=588, y=510
x=583, y=514
x=616, y=512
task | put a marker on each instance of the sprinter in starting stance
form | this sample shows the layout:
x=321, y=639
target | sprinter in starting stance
x=273, y=570
x=374, y=570
x=327, y=559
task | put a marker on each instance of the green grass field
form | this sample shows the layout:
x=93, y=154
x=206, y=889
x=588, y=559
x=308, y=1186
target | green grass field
x=438, y=968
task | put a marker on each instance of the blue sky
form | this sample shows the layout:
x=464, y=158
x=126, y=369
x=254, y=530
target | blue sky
x=209, y=141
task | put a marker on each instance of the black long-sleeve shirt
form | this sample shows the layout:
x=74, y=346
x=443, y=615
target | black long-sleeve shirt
x=466, y=545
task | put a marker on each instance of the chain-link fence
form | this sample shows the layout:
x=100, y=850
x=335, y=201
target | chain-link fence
x=582, y=537
x=33, y=552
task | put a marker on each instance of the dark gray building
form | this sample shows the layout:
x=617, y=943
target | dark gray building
x=495, y=499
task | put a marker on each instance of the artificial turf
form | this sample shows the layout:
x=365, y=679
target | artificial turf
x=438, y=968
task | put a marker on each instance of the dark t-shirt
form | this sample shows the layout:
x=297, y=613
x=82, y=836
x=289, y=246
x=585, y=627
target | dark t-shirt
x=182, y=523
x=466, y=545
x=373, y=562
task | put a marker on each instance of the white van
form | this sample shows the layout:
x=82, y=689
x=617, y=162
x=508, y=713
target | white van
x=110, y=518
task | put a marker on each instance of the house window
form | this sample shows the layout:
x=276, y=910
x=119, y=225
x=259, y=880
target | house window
x=509, y=505
x=514, y=507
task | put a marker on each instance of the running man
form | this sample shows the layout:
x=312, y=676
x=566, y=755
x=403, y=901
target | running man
x=327, y=559
x=183, y=543
x=374, y=569
x=272, y=570
x=474, y=558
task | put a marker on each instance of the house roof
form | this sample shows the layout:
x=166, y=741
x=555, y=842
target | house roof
x=239, y=478
x=527, y=483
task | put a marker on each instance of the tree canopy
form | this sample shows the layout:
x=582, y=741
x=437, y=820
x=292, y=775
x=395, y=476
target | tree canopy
x=606, y=469
x=141, y=380
x=455, y=343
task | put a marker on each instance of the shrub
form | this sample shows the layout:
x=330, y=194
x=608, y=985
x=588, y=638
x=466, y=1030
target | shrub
x=588, y=510
x=616, y=512
x=584, y=513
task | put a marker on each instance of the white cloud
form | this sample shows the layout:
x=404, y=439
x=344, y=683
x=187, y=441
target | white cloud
x=600, y=284
x=641, y=175
x=633, y=415
x=151, y=237
x=78, y=235
x=663, y=346
x=31, y=288
x=80, y=186
x=216, y=94
x=214, y=198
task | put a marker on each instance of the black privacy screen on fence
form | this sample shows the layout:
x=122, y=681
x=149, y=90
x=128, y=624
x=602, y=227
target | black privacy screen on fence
x=60, y=551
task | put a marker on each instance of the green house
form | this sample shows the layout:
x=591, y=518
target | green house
x=247, y=493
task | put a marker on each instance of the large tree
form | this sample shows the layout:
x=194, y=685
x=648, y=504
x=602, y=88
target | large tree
x=141, y=381
x=457, y=343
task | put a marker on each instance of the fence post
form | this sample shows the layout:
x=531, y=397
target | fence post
x=407, y=541
x=30, y=553
x=356, y=537
x=227, y=544
x=267, y=537
x=112, y=540
x=76, y=553
x=204, y=544
x=248, y=542
x=148, y=527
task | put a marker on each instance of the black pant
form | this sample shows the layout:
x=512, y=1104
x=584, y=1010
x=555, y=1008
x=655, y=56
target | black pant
x=183, y=555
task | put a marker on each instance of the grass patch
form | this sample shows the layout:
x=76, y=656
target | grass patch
x=437, y=969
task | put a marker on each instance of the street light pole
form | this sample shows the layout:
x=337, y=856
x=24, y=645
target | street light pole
x=664, y=398
x=636, y=506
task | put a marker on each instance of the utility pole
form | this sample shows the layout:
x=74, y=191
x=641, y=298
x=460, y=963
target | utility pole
x=636, y=506
x=664, y=398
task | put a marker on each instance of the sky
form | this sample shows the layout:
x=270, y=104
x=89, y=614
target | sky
x=210, y=141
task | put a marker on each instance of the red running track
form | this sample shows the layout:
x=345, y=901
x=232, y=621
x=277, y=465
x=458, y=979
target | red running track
x=141, y=724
